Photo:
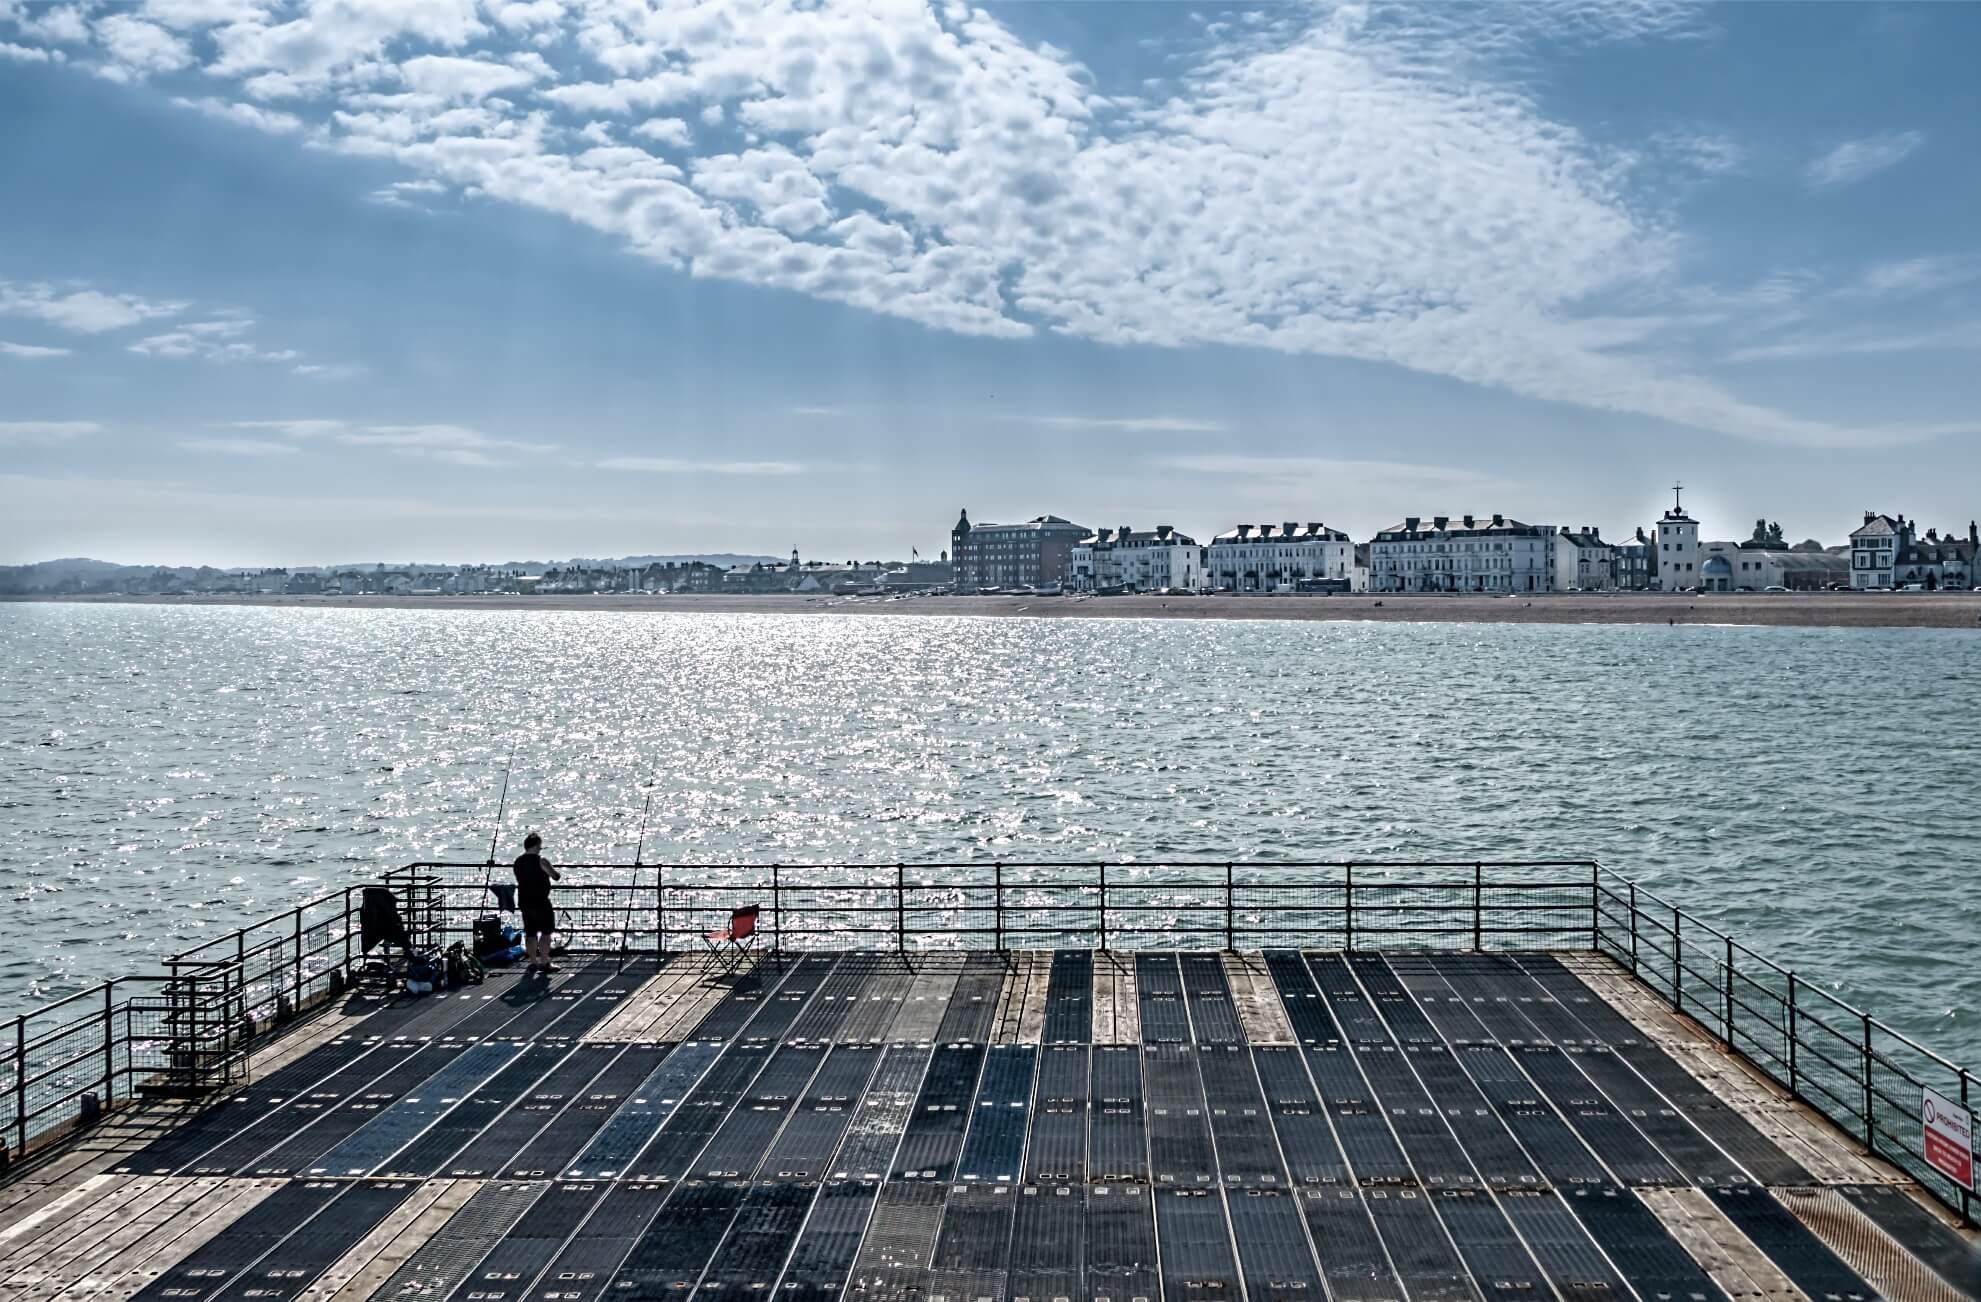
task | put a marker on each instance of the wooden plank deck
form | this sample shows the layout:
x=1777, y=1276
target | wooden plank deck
x=1527, y=1175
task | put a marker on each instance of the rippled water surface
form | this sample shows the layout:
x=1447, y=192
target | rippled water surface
x=169, y=772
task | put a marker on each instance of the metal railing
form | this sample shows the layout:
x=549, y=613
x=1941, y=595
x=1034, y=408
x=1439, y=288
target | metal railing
x=1865, y=1077
x=70, y=1060
x=182, y=1031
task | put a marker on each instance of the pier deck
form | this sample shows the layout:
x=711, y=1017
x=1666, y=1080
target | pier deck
x=1068, y=1126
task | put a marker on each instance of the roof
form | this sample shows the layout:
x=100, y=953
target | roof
x=1427, y=526
x=1287, y=532
x=1160, y=536
x=1037, y=524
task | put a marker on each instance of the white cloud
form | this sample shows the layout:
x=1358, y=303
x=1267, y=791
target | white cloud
x=189, y=14
x=239, y=447
x=32, y=352
x=672, y=466
x=1144, y=424
x=83, y=311
x=1376, y=182
x=45, y=431
x=30, y=53
x=295, y=429
x=666, y=131
x=139, y=49
x=1854, y=160
x=458, y=79
x=329, y=370
x=453, y=444
x=220, y=339
x=273, y=121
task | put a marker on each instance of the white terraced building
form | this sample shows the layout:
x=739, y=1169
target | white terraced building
x=1583, y=561
x=1130, y=561
x=1468, y=553
x=1279, y=558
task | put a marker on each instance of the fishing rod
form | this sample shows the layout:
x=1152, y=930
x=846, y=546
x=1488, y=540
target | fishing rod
x=495, y=836
x=639, y=848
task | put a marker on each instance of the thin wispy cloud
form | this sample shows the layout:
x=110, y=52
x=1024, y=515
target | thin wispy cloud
x=675, y=466
x=81, y=311
x=18, y=432
x=451, y=444
x=295, y=429
x=220, y=339
x=32, y=352
x=1137, y=424
x=1854, y=160
x=240, y=447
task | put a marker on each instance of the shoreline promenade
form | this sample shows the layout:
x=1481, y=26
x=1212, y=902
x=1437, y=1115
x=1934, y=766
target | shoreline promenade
x=1792, y=610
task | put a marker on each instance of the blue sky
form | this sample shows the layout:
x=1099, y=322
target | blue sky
x=288, y=282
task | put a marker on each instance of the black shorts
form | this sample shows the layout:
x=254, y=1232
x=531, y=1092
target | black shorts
x=538, y=917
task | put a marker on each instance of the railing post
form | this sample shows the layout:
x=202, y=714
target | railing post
x=997, y=905
x=1794, y=1081
x=1228, y=920
x=1966, y=1195
x=1348, y=898
x=21, y=1084
x=1103, y=905
x=900, y=908
x=296, y=999
x=660, y=910
x=1633, y=928
x=1677, y=960
x=1726, y=1012
x=1478, y=920
x=109, y=1054
x=1870, y=1120
x=1595, y=908
x=776, y=913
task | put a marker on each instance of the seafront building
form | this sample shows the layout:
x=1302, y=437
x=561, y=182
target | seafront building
x=1465, y=553
x=1288, y=557
x=1125, y=560
x=1035, y=553
x=1583, y=561
x=1677, y=560
x=1888, y=551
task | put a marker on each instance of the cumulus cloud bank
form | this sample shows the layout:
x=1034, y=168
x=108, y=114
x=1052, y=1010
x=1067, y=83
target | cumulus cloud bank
x=1369, y=182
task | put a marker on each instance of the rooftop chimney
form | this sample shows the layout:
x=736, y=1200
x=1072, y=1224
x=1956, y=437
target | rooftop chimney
x=1468, y=522
x=1288, y=529
x=1498, y=520
x=1974, y=533
x=1410, y=522
x=1163, y=531
x=1440, y=521
x=1244, y=531
x=1869, y=516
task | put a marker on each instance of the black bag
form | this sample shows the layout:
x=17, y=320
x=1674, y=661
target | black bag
x=489, y=938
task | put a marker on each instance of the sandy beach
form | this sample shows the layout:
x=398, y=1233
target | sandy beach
x=1799, y=610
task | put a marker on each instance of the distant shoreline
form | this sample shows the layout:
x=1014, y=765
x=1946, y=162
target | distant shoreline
x=1792, y=610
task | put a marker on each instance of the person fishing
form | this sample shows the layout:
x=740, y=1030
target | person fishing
x=534, y=874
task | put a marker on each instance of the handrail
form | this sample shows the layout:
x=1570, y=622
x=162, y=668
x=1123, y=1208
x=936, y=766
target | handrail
x=96, y=1048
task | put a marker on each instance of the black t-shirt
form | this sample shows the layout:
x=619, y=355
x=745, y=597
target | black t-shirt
x=532, y=879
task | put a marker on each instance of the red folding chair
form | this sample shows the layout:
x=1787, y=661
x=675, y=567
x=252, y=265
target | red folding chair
x=733, y=943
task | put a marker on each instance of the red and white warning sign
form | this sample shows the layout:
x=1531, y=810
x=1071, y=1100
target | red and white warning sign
x=1949, y=1138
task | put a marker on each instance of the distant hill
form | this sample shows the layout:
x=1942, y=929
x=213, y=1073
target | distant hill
x=83, y=574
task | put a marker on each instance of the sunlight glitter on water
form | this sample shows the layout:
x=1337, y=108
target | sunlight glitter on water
x=1777, y=781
